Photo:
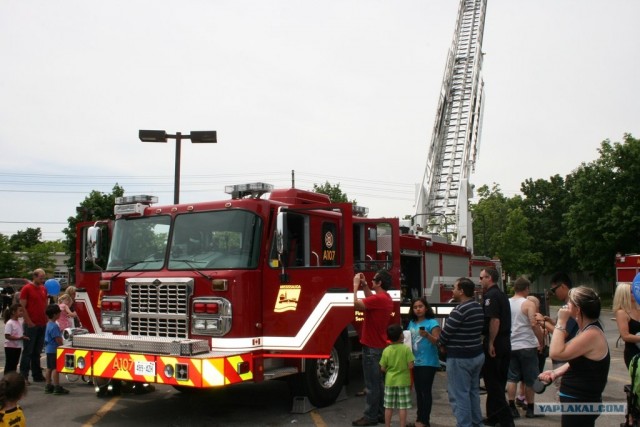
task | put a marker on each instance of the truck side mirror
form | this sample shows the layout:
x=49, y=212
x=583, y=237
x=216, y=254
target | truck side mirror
x=281, y=239
x=281, y=232
x=92, y=249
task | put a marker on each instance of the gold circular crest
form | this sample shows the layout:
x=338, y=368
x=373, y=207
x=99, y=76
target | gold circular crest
x=328, y=239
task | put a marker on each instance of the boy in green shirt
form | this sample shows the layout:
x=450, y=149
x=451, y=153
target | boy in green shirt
x=396, y=362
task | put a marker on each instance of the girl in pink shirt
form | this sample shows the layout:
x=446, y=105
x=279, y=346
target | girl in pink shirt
x=13, y=337
x=64, y=322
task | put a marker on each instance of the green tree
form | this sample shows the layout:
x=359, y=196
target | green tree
x=9, y=262
x=333, y=191
x=514, y=245
x=96, y=206
x=489, y=220
x=544, y=205
x=603, y=218
x=25, y=239
x=501, y=230
x=38, y=256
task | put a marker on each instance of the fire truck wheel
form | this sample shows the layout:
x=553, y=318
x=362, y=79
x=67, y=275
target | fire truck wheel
x=324, y=378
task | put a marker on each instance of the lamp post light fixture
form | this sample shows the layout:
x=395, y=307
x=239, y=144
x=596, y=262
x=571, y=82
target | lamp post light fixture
x=200, y=137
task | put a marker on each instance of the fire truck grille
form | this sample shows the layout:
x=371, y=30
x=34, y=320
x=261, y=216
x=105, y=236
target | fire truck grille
x=159, y=310
x=153, y=327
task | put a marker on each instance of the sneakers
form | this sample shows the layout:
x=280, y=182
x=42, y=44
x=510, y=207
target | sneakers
x=60, y=390
x=514, y=412
x=522, y=403
x=48, y=389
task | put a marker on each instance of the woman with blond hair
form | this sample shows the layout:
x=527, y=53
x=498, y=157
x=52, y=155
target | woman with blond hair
x=628, y=319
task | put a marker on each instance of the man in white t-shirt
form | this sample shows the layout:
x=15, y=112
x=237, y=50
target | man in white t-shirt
x=526, y=340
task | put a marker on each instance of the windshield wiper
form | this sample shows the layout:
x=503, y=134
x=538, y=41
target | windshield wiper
x=194, y=268
x=131, y=265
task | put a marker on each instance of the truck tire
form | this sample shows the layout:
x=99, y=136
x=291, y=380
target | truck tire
x=324, y=378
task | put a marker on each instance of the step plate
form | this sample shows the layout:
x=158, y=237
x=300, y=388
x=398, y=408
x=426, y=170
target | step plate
x=139, y=344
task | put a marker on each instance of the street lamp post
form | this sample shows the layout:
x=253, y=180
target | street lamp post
x=205, y=137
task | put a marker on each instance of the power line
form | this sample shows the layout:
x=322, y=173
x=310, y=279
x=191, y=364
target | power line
x=32, y=222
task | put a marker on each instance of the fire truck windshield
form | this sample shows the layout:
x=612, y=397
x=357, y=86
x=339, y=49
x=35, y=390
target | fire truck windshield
x=139, y=243
x=215, y=240
x=201, y=240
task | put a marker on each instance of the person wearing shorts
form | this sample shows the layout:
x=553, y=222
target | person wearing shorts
x=53, y=339
x=526, y=340
x=396, y=362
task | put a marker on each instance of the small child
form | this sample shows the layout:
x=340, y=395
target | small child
x=13, y=337
x=13, y=387
x=52, y=339
x=66, y=315
x=397, y=362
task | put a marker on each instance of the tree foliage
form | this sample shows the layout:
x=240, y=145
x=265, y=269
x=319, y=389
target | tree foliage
x=544, y=204
x=501, y=230
x=9, y=261
x=333, y=191
x=31, y=253
x=38, y=256
x=25, y=239
x=514, y=245
x=96, y=206
x=565, y=224
x=604, y=214
x=489, y=220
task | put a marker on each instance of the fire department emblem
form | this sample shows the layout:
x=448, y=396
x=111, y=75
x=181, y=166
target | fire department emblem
x=328, y=240
x=288, y=297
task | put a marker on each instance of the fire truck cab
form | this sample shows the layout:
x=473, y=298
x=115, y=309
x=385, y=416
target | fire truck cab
x=216, y=293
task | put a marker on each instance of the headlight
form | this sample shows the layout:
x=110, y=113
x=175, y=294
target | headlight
x=199, y=324
x=213, y=325
x=211, y=316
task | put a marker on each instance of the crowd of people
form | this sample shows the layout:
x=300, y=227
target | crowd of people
x=501, y=342
x=33, y=322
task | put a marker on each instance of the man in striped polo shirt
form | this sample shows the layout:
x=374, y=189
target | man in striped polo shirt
x=461, y=338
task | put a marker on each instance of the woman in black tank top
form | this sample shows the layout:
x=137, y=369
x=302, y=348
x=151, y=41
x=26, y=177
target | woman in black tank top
x=584, y=376
x=628, y=320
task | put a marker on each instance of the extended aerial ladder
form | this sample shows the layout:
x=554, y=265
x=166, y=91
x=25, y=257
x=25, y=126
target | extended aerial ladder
x=442, y=205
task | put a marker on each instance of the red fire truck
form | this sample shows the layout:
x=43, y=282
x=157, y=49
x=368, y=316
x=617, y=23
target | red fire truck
x=627, y=267
x=248, y=289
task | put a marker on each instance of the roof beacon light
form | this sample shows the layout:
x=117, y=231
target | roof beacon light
x=133, y=205
x=360, y=211
x=142, y=198
x=254, y=190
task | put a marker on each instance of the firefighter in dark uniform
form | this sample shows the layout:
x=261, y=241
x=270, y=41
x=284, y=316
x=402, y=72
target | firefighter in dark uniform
x=497, y=348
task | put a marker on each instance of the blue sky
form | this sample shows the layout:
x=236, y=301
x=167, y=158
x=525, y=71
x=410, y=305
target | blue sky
x=338, y=90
